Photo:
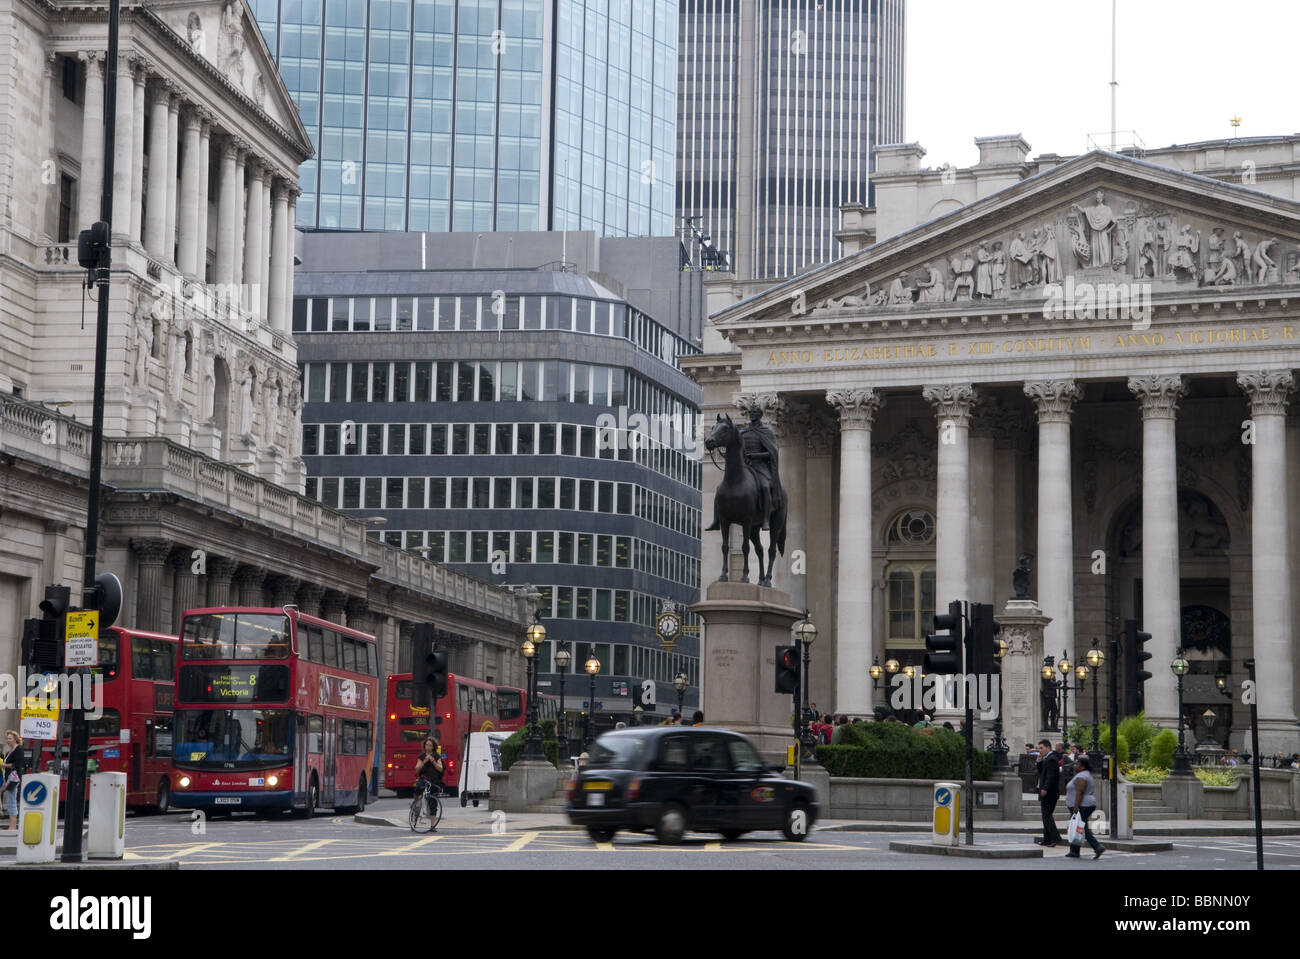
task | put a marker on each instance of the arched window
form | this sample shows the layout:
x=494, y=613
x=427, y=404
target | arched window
x=909, y=578
x=909, y=599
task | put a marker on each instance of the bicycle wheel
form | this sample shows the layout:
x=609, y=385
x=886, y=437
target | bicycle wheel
x=435, y=812
x=420, y=819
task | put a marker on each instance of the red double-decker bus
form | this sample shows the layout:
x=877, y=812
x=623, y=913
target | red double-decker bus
x=275, y=710
x=133, y=735
x=512, y=706
x=469, y=706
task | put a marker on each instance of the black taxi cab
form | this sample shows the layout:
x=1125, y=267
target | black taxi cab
x=671, y=779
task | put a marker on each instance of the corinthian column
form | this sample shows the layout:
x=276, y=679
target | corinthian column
x=185, y=585
x=189, y=220
x=155, y=224
x=278, y=310
x=241, y=160
x=1055, y=401
x=92, y=142
x=226, y=206
x=1161, y=606
x=137, y=153
x=205, y=137
x=173, y=145
x=952, y=405
x=853, y=620
x=1269, y=393
x=253, y=242
x=151, y=558
x=123, y=142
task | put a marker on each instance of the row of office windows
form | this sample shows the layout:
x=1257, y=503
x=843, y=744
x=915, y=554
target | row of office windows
x=549, y=546
x=499, y=439
x=460, y=381
x=505, y=492
x=619, y=659
x=488, y=311
x=591, y=603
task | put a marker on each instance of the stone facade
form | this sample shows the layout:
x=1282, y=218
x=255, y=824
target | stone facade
x=202, y=478
x=1090, y=366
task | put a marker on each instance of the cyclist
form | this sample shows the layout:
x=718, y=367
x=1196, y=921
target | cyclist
x=429, y=767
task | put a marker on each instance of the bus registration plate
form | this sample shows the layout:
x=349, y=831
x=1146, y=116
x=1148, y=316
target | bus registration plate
x=227, y=800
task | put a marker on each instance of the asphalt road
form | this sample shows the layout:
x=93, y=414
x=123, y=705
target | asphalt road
x=472, y=839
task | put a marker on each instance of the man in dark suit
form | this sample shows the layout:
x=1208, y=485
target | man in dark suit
x=1049, y=791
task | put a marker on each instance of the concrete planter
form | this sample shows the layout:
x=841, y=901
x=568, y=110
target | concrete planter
x=909, y=800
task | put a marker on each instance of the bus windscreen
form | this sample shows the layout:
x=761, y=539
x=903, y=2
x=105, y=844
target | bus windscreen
x=235, y=636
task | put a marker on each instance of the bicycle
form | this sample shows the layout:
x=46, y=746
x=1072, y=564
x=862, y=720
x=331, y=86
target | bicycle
x=426, y=807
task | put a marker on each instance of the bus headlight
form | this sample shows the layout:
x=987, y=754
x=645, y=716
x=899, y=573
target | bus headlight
x=272, y=780
x=185, y=782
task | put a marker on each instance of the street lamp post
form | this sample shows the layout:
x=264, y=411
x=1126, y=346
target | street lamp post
x=999, y=749
x=680, y=682
x=1065, y=666
x=562, y=659
x=1095, y=659
x=806, y=634
x=534, y=636
x=592, y=666
x=1182, y=765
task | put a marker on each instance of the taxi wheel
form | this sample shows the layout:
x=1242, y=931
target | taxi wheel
x=733, y=834
x=464, y=801
x=672, y=824
x=600, y=835
x=797, y=822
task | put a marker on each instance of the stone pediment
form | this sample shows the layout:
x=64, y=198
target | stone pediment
x=1099, y=219
x=226, y=34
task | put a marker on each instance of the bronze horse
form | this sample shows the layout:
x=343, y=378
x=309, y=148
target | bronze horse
x=737, y=501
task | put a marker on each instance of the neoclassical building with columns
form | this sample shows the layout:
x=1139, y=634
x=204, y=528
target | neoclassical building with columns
x=203, y=483
x=1091, y=367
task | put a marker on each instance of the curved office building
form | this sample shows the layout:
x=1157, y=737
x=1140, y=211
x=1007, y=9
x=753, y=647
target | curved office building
x=529, y=425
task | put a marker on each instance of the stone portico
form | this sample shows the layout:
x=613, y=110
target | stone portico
x=1090, y=366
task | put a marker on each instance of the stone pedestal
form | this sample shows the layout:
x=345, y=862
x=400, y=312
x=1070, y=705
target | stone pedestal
x=743, y=626
x=529, y=782
x=206, y=439
x=1022, y=716
x=180, y=425
x=144, y=414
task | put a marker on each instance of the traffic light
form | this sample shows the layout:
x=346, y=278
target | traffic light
x=422, y=666
x=787, y=669
x=984, y=629
x=943, y=650
x=47, y=642
x=1134, y=657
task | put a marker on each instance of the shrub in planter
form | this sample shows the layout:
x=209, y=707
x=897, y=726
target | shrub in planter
x=897, y=751
x=1160, y=752
x=512, y=749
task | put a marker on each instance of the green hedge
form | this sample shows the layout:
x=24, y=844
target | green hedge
x=512, y=750
x=897, y=751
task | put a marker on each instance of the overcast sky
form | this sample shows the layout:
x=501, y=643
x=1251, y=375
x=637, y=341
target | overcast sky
x=1041, y=68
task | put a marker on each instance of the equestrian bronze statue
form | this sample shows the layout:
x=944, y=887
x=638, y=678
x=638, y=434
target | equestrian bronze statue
x=750, y=493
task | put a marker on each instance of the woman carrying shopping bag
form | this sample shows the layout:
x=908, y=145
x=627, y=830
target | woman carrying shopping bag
x=1085, y=804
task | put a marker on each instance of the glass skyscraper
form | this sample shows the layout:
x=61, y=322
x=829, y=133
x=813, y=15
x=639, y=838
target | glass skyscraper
x=782, y=102
x=482, y=115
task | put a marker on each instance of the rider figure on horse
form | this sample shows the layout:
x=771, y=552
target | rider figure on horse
x=760, y=448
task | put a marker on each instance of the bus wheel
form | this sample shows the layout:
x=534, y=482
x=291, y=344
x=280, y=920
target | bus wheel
x=164, y=802
x=313, y=798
